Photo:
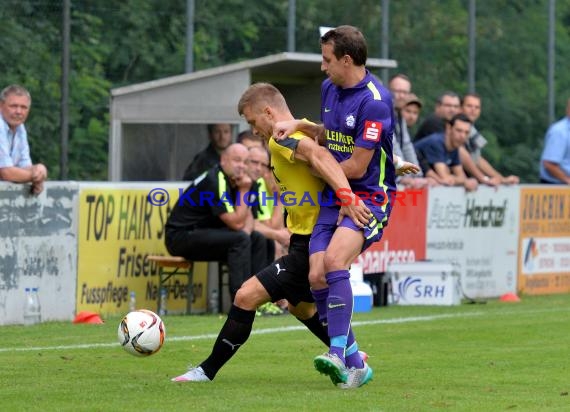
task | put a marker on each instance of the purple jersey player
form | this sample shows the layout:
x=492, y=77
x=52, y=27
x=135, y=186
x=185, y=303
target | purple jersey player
x=361, y=118
x=358, y=124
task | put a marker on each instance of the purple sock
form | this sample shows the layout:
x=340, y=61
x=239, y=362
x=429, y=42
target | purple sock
x=320, y=297
x=339, y=310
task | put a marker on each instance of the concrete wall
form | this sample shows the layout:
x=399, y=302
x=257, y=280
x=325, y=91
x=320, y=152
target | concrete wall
x=84, y=244
x=38, y=248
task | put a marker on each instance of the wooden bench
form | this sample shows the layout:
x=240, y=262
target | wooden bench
x=171, y=266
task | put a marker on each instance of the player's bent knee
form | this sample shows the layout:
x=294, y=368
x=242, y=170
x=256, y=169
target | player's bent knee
x=317, y=280
x=251, y=294
x=334, y=262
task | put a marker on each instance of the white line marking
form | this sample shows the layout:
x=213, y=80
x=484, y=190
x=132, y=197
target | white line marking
x=284, y=329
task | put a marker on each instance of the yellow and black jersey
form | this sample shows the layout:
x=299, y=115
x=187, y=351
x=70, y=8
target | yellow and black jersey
x=299, y=189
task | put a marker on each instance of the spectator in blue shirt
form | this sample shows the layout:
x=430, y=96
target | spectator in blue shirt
x=15, y=162
x=438, y=154
x=474, y=163
x=555, y=159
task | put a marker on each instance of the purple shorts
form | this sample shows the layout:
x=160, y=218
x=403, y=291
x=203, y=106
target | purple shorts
x=326, y=226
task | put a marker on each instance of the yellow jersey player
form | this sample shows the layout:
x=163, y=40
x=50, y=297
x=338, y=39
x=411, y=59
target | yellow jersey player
x=294, y=162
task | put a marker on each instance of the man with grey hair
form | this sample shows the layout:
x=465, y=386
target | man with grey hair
x=15, y=162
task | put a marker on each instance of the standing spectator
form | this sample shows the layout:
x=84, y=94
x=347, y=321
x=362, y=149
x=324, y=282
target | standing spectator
x=473, y=162
x=409, y=114
x=220, y=136
x=411, y=110
x=555, y=159
x=208, y=223
x=439, y=154
x=15, y=162
x=446, y=106
x=401, y=87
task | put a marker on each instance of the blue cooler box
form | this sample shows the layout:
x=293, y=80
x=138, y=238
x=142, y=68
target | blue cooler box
x=362, y=293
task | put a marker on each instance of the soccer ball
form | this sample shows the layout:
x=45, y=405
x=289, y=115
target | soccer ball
x=141, y=332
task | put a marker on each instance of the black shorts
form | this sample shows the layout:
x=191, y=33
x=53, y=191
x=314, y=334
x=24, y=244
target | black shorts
x=288, y=277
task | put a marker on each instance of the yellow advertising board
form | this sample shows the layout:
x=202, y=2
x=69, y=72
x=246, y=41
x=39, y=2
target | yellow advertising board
x=544, y=242
x=118, y=228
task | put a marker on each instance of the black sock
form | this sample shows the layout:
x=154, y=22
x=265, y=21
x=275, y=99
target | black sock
x=317, y=328
x=233, y=334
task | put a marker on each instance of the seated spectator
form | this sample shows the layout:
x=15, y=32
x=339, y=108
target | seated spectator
x=555, y=159
x=249, y=140
x=15, y=162
x=473, y=162
x=438, y=154
x=269, y=221
x=209, y=224
x=220, y=136
x=260, y=172
x=446, y=106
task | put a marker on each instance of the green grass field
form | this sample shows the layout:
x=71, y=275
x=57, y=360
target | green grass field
x=492, y=357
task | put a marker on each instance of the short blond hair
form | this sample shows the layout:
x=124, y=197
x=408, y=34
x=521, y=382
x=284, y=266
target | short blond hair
x=262, y=93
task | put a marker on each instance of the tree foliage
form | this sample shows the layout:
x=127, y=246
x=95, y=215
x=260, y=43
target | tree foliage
x=429, y=40
x=119, y=43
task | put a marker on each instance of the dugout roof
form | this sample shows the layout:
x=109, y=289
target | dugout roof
x=158, y=126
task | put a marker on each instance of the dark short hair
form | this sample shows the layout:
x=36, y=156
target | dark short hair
x=472, y=94
x=347, y=41
x=248, y=135
x=211, y=127
x=459, y=116
x=446, y=93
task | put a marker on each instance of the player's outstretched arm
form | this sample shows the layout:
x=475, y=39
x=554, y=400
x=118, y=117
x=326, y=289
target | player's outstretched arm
x=327, y=167
x=283, y=129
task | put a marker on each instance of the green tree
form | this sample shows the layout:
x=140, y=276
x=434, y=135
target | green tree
x=120, y=43
x=37, y=66
x=89, y=95
x=27, y=54
x=429, y=41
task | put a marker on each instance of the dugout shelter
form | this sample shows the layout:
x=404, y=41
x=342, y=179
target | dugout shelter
x=157, y=127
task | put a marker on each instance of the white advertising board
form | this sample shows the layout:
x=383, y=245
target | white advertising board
x=424, y=283
x=38, y=248
x=478, y=233
x=545, y=255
